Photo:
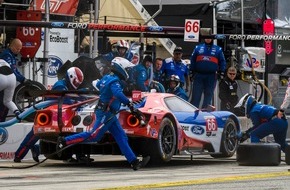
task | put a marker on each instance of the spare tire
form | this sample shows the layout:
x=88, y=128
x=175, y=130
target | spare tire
x=259, y=154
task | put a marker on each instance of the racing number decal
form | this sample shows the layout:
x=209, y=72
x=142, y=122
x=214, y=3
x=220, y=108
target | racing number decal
x=211, y=124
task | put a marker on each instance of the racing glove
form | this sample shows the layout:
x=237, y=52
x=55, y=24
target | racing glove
x=244, y=136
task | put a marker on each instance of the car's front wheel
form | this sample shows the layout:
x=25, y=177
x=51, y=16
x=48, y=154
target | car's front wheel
x=229, y=141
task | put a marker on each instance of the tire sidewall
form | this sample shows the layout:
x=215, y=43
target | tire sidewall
x=166, y=157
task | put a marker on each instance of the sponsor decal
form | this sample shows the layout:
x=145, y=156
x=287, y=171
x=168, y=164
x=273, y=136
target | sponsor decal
x=77, y=25
x=54, y=64
x=197, y=130
x=185, y=128
x=153, y=132
x=256, y=63
x=93, y=26
x=3, y=135
x=191, y=36
x=155, y=28
x=258, y=37
x=7, y=155
x=57, y=24
x=55, y=37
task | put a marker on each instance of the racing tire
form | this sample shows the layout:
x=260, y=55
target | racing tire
x=229, y=142
x=161, y=150
x=259, y=154
x=287, y=154
x=23, y=101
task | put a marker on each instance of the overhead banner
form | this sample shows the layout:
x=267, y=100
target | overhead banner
x=59, y=7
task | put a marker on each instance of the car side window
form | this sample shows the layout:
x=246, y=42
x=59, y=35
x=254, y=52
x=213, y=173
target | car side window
x=177, y=104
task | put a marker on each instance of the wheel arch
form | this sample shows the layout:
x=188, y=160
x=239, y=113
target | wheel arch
x=237, y=122
x=173, y=119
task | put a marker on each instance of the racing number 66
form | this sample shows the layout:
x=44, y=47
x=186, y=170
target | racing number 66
x=28, y=31
x=192, y=26
x=211, y=124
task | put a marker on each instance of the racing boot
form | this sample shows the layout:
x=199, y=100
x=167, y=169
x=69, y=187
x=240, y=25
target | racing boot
x=137, y=164
x=35, y=153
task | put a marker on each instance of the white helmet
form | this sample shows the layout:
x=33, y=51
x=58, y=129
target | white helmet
x=119, y=67
x=122, y=44
x=246, y=103
x=75, y=77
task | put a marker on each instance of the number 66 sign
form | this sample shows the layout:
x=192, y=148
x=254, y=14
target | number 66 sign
x=191, y=30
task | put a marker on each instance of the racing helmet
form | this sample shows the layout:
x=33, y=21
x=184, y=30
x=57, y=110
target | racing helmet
x=246, y=103
x=75, y=77
x=176, y=79
x=119, y=67
x=122, y=44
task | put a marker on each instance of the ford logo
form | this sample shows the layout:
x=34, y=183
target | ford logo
x=191, y=36
x=3, y=135
x=54, y=64
x=57, y=24
x=155, y=28
x=197, y=130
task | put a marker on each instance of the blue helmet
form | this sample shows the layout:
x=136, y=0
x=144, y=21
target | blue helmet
x=246, y=103
x=119, y=66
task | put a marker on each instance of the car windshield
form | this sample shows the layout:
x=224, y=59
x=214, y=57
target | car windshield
x=177, y=104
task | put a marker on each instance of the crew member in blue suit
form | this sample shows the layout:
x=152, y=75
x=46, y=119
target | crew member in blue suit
x=111, y=97
x=74, y=77
x=122, y=47
x=207, y=60
x=176, y=66
x=174, y=87
x=140, y=74
x=266, y=120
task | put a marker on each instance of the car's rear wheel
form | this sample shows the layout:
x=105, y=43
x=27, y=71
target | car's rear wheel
x=229, y=141
x=162, y=149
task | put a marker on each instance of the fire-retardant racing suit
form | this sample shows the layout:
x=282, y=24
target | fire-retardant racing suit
x=111, y=97
x=29, y=141
x=206, y=60
x=139, y=75
x=266, y=120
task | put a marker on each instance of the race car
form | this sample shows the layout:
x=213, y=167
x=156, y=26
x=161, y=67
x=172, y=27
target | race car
x=168, y=126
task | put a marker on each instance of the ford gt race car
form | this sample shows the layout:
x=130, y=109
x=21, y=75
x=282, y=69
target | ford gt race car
x=171, y=127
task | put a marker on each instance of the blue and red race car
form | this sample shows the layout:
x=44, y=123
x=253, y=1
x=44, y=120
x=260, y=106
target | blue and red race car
x=172, y=127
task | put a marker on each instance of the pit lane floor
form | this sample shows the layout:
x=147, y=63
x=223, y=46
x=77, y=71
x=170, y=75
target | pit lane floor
x=113, y=172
